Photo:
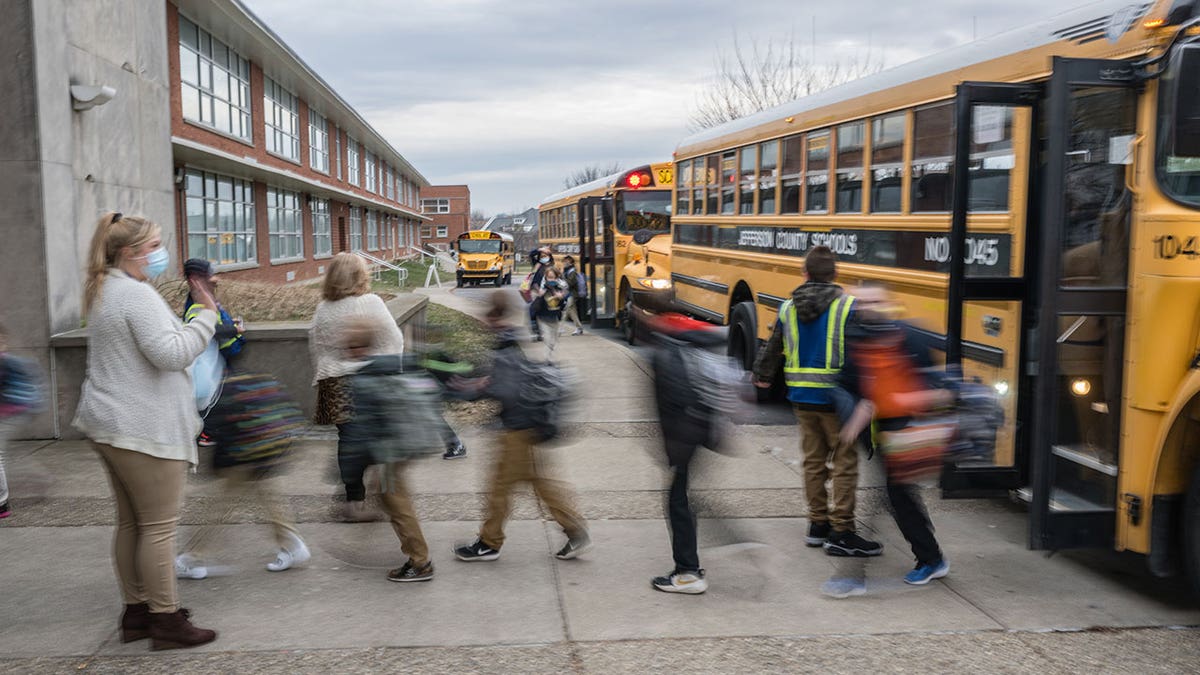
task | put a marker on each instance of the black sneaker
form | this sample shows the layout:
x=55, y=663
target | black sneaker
x=849, y=544
x=690, y=583
x=205, y=441
x=410, y=573
x=817, y=534
x=477, y=552
x=455, y=451
x=574, y=547
x=4, y=510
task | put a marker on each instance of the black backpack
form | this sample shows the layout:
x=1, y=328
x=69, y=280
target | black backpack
x=542, y=392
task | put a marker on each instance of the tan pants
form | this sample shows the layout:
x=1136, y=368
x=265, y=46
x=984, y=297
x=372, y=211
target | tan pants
x=239, y=482
x=399, y=507
x=519, y=462
x=148, y=492
x=571, y=313
x=819, y=443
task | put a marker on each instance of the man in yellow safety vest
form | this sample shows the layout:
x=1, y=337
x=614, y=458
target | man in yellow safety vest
x=809, y=338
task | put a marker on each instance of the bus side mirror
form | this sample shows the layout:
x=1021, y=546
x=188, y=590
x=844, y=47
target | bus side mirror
x=642, y=237
x=1185, y=94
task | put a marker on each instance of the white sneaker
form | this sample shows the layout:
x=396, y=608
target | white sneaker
x=286, y=559
x=188, y=567
x=690, y=583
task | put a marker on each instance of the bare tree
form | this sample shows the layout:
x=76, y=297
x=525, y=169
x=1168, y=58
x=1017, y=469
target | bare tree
x=768, y=74
x=477, y=219
x=590, y=173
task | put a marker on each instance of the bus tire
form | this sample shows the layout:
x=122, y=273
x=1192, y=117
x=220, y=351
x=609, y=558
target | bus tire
x=630, y=324
x=499, y=280
x=1191, y=534
x=743, y=334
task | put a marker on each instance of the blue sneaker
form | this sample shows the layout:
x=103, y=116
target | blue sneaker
x=924, y=573
x=844, y=588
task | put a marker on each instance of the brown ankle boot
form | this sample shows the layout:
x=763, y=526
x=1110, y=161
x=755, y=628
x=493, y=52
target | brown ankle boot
x=135, y=622
x=174, y=631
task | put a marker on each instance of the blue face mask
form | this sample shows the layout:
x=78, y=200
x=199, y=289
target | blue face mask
x=157, y=262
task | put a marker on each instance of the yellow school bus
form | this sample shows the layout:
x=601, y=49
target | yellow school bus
x=618, y=227
x=484, y=256
x=1033, y=199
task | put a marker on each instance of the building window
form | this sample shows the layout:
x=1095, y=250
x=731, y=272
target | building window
x=434, y=205
x=385, y=232
x=337, y=150
x=281, y=109
x=442, y=232
x=284, y=225
x=387, y=180
x=215, y=82
x=426, y=232
x=220, y=218
x=351, y=160
x=355, y=228
x=371, y=172
x=372, y=231
x=322, y=230
x=318, y=141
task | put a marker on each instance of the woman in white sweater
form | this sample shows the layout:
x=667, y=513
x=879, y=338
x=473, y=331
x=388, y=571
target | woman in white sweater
x=138, y=409
x=347, y=300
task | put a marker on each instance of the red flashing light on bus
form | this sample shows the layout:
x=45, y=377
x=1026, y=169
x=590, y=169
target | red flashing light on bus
x=638, y=179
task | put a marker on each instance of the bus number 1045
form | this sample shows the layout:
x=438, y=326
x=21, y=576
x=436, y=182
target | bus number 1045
x=1169, y=247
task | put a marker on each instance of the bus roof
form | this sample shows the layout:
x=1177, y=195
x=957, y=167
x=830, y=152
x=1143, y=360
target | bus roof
x=1092, y=22
x=599, y=185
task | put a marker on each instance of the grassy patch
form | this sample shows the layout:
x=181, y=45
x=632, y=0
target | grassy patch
x=252, y=301
x=459, y=335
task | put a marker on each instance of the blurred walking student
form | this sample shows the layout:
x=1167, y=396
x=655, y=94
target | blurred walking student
x=229, y=332
x=576, y=294
x=551, y=298
x=808, y=339
x=522, y=394
x=21, y=395
x=689, y=420
x=387, y=427
x=542, y=260
x=138, y=409
x=889, y=373
x=346, y=299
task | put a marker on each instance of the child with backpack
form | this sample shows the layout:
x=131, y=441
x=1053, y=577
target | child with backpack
x=576, y=293
x=21, y=395
x=397, y=417
x=551, y=298
x=529, y=395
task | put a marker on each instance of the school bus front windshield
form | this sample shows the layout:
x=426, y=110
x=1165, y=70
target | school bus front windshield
x=479, y=245
x=648, y=210
x=1178, y=157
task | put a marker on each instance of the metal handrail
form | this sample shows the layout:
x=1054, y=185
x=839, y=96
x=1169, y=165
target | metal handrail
x=378, y=262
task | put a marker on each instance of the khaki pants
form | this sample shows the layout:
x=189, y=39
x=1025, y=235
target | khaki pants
x=820, y=445
x=571, y=313
x=148, y=491
x=519, y=462
x=399, y=507
x=239, y=482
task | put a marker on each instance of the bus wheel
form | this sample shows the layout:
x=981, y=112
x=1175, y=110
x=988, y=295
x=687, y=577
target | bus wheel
x=743, y=334
x=499, y=280
x=629, y=325
x=1191, y=534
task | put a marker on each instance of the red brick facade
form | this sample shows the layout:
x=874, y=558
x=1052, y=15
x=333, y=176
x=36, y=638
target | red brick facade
x=399, y=220
x=454, y=223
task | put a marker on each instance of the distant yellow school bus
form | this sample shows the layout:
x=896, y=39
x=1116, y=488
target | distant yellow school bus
x=484, y=256
x=1034, y=201
x=597, y=222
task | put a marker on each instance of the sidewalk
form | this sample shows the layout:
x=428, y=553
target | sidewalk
x=528, y=612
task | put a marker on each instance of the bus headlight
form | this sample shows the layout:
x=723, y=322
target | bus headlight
x=1081, y=387
x=656, y=284
x=1001, y=388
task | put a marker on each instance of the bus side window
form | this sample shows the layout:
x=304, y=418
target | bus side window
x=933, y=156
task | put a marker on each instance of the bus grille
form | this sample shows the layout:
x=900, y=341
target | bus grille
x=476, y=265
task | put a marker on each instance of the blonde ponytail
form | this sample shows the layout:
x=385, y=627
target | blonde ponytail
x=114, y=232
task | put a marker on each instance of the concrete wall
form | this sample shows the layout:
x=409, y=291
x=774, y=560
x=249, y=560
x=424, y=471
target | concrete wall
x=280, y=349
x=63, y=168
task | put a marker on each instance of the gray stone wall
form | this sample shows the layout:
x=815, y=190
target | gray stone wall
x=62, y=168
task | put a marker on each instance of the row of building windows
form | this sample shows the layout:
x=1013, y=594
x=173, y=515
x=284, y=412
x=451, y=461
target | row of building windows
x=215, y=88
x=830, y=170
x=221, y=223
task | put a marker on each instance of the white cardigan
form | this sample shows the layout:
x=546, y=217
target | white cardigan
x=325, y=336
x=137, y=394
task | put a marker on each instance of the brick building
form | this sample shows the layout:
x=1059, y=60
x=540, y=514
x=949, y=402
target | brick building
x=450, y=208
x=274, y=171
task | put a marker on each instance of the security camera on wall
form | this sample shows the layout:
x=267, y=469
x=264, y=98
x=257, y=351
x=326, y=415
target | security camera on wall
x=86, y=97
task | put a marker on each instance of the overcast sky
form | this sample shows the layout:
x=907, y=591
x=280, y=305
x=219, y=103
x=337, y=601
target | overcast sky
x=511, y=96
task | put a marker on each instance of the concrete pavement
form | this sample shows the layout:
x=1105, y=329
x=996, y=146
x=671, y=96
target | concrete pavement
x=1002, y=609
